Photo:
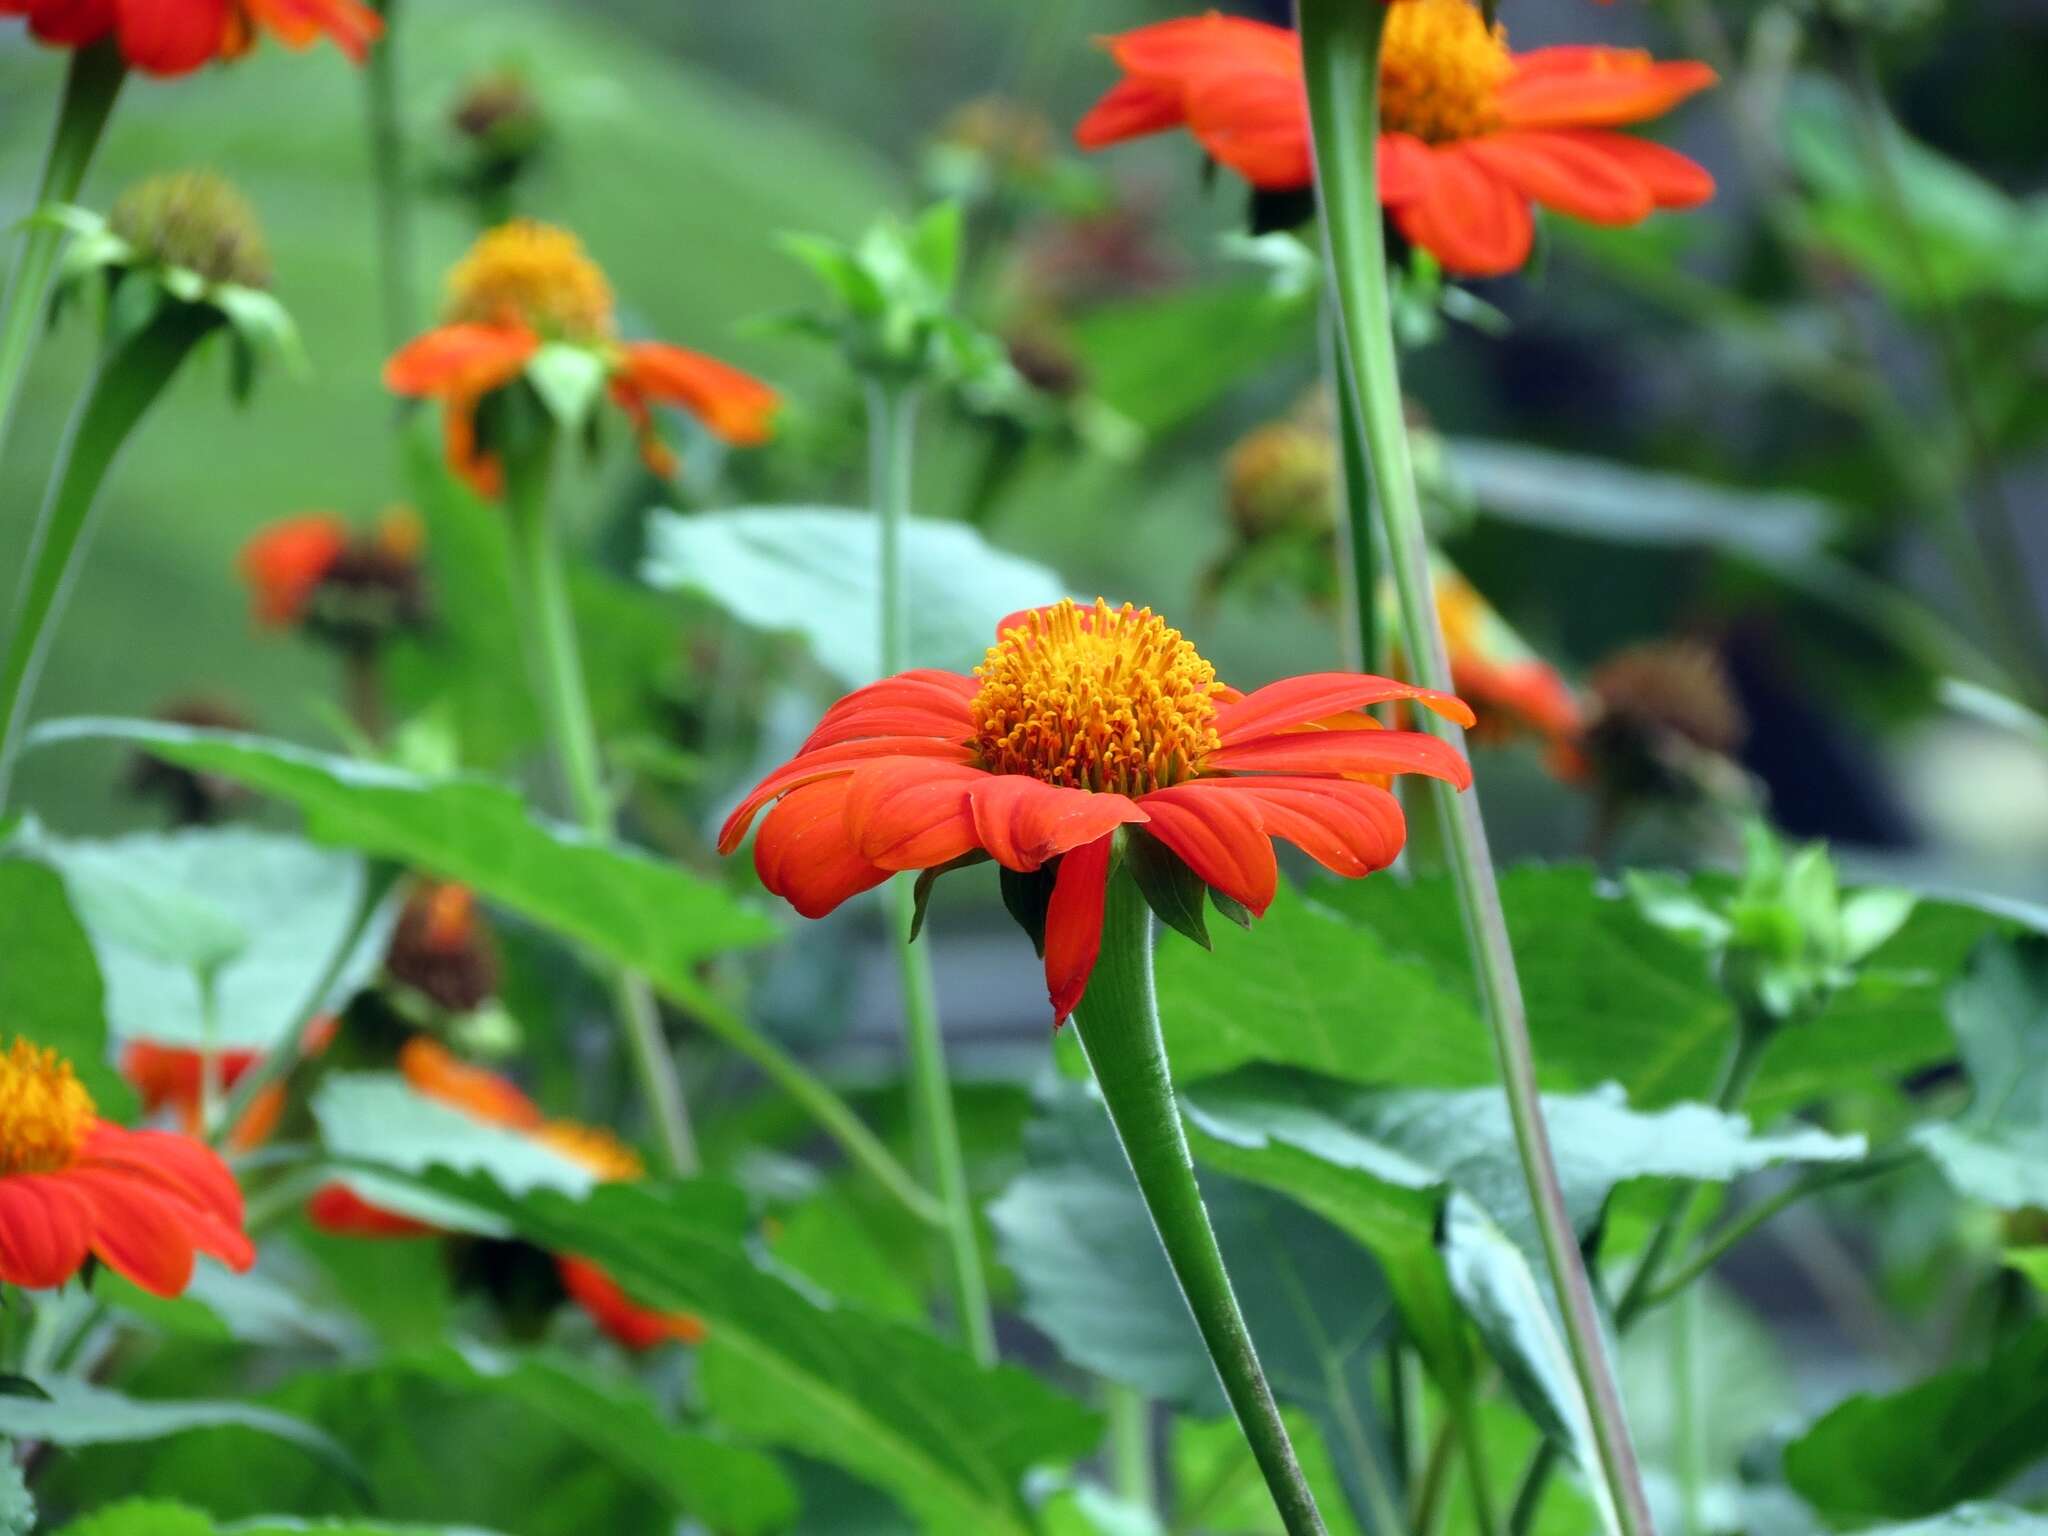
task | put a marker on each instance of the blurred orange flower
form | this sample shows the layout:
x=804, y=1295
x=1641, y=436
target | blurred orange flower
x=1470, y=134
x=526, y=285
x=1512, y=690
x=175, y=37
x=75, y=1187
x=172, y=1077
x=438, y=1074
x=285, y=563
x=1081, y=721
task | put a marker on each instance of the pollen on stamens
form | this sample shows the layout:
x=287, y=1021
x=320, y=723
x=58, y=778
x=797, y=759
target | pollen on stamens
x=45, y=1112
x=1101, y=698
x=1440, y=69
x=537, y=275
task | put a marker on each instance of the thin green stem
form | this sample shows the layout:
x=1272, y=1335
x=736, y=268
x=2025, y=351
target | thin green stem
x=387, y=165
x=1478, y=1475
x=1129, y=1413
x=127, y=384
x=1430, y=1504
x=572, y=735
x=90, y=89
x=1688, y=1415
x=892, y=426
x=1340, y=45
x=212, y=1091
x=1357, y=571
x=1119, y=1028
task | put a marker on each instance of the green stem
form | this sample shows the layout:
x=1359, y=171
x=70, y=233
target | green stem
x=1119, y=1029
x=1130, y=1445
x=212, y=1093
x=572, y=735
x=90, y=89
x=1340, y=46
x=387, y=163
x=1357, y=570
x=1478, y=1475
x=1429, y=1504
x=892, y=426
x=127, y=384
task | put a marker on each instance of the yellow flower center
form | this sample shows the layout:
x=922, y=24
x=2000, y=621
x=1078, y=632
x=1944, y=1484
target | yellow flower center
x=45, y=1111
x=594, y=1148
x=1102, y=698
x=1440, y=66
x=536, y=274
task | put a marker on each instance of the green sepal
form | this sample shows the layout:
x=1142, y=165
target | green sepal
x=1231, y=908
x=927, y=878
x=569, y=380
x=1170, y=888
x=1027, y=896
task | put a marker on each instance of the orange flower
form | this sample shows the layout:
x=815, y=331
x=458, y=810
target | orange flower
x=484, y=1095
x=527, y=285
x=1079, y=722
x=286, y=562
x=1470, y=134
x=74, y=1187
x=1513, y=690
x=175, y=37
x=171, y=1077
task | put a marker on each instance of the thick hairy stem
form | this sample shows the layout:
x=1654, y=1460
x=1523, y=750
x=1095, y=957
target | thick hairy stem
x=1119, y=1025
x=1340, y=47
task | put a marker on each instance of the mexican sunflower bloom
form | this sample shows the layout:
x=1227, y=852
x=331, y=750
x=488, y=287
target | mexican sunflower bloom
x=314, y=568
x=1081, y=722
x=75, y=1187
x=526, y=286
x=1514, y=692
x=1470, y=134
x=170, y=1077
x=175, y=37
x=494, y=1100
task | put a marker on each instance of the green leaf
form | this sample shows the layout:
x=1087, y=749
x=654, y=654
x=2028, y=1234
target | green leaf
x=1960, y=1435
x=1997, y=1150
x=77, y=1413
x=934, y=245
x=50, y=988
x=1172, y=890
x=1159, y=361
x=270, y=912
x=630, y=908
x=949, y=1440
x=1317, y=1305
x=814, y=571
x=927, y=879
x=156, y=1517
x=1971, y=1520
x=254, y=1308
x=2031, y=1262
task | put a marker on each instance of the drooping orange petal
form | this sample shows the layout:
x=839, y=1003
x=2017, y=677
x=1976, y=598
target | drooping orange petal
x=64, y=23
x=1073, y=925
x=185, y=1174
x=1256, y=123
x=1467, y=217
x=1566, y=174
x=1220, y=837
x=803, y=854
x=1344, y=752
x=1315, y=695
x=482, y=472
x=45, y=1232
x=1673, y=180
x=1349, y=828
x=1023, y=822
x=352, y=25
x=1130, y=109
x=910, y=812
x=1404, y=168
x=1596, y=88
x=171, y=37
x=286, y=562
x=926, y=702
x=632, y=1326
x=460, y=362
x=435, y=1072
x=734, y=405
x=829, y=762
x=340, y=1210
x=136, y=1229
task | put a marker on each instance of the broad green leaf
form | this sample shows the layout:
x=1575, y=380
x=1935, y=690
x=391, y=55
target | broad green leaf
x=1997, y=1150
x=1971, y=1520
x=1317, y=1305
x=272, y=911
x=1161, y=360
x=157, y=1517
x=949, y=1440
x=814, y=571
x=77, y=1413
x=50, y=989
x=259, y=1307
x=1960, y=1435
x=622, y=904
x=2031, y=1262
x=727, y=1487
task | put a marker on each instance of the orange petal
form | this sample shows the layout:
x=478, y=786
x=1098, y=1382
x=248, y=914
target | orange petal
x=1673, y=180
x=435, y=1072
x=1468, y=218
x=1257, y=124
x=803, y=854
x=340, y=1210
x=301, y=23
x=734, y=405
x=1130, y=109
x=1598, y=88
x=1344, y=752
x=1188, y=46
x=1220, y=837
x=910, y=812
x=1023, y=822
x=1073, y=925
x=829, y=762
x=1404, y=168
x=632, y=1326
x=171, y=37
x=482, y=472
x=460, y=361
x=1317, y=695
x=927, y=702
x=1565, y=173
x=1349, y=828
x=287, y=561
x=44, y=1231
x=136, y=1228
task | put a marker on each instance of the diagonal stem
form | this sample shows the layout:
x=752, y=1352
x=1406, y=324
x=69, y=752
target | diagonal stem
x=1340, y=46
x=892, y=423
x=387, y=165
x=1119, y=1027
